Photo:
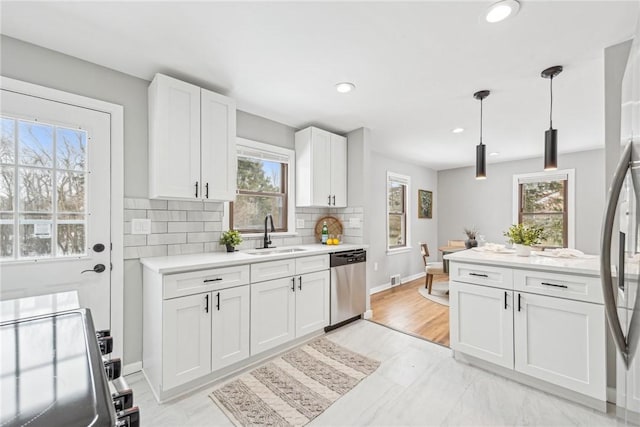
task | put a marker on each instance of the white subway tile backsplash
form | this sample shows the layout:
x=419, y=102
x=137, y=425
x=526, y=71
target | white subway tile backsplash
x=144, y=251
x=203, y=216
x=178, y=205
x=135, y=240
x=130, y=214
x=203, y=237
x=130, y=203
x=158, y=227
x=187, y=248
x=166, y=239
x=167, y=215
x=176, y=227
x=211, y=206
x=212, y=226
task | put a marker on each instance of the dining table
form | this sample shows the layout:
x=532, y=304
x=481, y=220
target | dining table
x=449, y=250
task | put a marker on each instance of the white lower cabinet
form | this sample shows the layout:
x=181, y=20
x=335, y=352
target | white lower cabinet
x=186, y=339
x=556, y=340
x=288, y=308
x=481, y=321
x=273, y=313
x=561, y=341
x=230, y=326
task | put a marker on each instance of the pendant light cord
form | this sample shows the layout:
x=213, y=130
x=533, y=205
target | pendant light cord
x=481, y=121
x=551, y=102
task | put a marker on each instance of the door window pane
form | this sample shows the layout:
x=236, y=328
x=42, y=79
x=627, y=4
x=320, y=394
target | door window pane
x=35, y=235
x=71, y=235
x=71, y=149
x=7, y=140
x=7, y=185
x=35, y=144
x=35, y=190
x=6, y=235
x=71, y=187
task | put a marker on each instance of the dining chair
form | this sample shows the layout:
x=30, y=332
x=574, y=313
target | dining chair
x=430, y=268
x=456, y=243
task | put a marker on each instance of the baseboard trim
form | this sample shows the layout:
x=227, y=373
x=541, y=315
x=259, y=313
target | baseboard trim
x=612, y=395
x=387, y=285
x=131, y=368
x=367, y=314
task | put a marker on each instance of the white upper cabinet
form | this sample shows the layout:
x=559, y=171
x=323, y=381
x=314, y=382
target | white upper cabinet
x=321, y=168
x=192, y=149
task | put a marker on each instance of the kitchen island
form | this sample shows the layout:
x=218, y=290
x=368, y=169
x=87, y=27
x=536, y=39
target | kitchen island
x=538, y=320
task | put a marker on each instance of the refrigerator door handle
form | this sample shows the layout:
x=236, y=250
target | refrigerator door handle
x=605, y=258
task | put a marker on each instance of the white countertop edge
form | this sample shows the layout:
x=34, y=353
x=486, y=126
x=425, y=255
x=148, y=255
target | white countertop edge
x=203, y=261
x=586, y=267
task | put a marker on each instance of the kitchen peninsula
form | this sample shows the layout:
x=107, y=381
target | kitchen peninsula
x=538, y=320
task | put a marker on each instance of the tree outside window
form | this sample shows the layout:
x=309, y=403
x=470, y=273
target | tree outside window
x=544, y=203
x=397, y=207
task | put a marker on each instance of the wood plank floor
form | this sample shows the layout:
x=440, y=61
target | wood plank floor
x=404, y=309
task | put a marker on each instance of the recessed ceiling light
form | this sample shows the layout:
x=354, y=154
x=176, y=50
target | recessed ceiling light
x=494, y=153
x=457, y=130
x=345, y=87
x=502, y=10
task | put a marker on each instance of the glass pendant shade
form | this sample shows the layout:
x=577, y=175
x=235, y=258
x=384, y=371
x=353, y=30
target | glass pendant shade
x=551, y=150
x=481, y=161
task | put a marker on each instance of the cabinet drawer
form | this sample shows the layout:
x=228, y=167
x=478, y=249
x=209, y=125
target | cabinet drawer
x=182, y=284
x=569, y=286
x=310, y=264
x=481, y=275
x=272, y=270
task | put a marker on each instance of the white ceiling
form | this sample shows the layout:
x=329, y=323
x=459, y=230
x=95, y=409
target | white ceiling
x=415, y=65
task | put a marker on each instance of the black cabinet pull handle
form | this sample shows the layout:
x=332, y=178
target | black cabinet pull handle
x=206, y=188
x=217, y=279
x=329, y=199
x=478, y=275
x=334, y=200
x=293, y=284
x=218, y=304
x=206, y=303
x=505, y=300
x=196, y=188
x=519, y=302
x=300, y=282
x=554, y=285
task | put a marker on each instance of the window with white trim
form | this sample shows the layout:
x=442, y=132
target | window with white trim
x=397, y=211
x=546, y=200
x=265, y=186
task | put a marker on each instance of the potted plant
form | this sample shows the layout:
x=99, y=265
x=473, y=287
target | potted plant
x=471, y=241
x=524, y=236
x=231, y=239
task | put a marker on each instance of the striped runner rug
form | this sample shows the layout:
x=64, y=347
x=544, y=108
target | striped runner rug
x=294, y=388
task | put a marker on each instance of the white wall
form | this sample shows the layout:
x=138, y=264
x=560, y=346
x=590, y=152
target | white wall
x=488, y=204
x=422, y=230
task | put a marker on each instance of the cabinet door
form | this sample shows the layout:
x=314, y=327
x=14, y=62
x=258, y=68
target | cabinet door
x=174, y=138
x=186, y=339
x=230, y=337
x=218, y=146
x=561, y=341
x=481, y=321
x=272, y=314
x=338, y=171
x=320, y=167
x=312, y=302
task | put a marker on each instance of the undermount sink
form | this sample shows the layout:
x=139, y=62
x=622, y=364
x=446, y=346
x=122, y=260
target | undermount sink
x=276, y=251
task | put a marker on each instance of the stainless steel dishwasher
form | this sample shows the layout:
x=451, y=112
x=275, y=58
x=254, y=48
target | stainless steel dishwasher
x=348, y=286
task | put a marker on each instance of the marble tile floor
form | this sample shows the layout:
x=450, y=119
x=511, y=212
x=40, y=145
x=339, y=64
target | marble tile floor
x=418, y=383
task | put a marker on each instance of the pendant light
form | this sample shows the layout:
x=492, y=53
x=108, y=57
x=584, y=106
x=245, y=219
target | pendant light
x=481, y=149
x=551, y=135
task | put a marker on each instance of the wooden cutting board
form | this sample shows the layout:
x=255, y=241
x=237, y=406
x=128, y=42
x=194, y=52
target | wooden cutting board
x=333, y=224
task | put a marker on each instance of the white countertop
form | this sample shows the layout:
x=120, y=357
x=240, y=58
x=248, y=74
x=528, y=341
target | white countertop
x=586, y=266
x=191, y=262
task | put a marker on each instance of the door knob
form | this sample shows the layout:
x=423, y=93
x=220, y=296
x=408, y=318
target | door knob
x=98, y=268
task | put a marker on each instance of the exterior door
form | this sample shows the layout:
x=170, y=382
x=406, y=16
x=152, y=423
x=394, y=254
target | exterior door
x=312, y=302
x=55, y=201
x=481, y=321
x=230, y=328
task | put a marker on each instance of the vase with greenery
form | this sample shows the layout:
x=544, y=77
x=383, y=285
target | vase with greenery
x=231, y=239
x=471, y=241
x=524, y=236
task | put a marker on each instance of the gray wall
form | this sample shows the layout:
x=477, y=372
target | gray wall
x=422, y=230
x=488, y=204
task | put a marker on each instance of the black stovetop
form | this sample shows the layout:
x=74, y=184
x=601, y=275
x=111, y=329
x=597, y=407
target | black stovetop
x=51, y=373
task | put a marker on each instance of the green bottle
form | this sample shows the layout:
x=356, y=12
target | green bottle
x=325, y=233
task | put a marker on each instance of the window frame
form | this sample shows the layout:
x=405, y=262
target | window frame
x=569, y=189
x=289, y=188
x=405, y=180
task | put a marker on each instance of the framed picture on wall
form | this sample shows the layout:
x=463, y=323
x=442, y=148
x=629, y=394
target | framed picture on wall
x=425, y=204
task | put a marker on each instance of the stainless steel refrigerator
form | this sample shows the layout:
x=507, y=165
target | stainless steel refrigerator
x=620, y=265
